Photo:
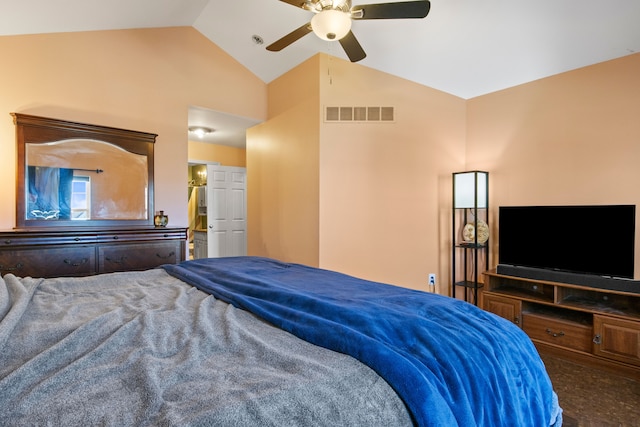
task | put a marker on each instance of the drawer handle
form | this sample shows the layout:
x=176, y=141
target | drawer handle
x=117, y=261
x=597, y=339
x=555, y=334
x=17, y=267
x=7, y=242
x=115, y=237
x=76, y=264
x=165, y=257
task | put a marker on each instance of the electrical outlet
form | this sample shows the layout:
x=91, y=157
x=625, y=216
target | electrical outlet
x=432, y=279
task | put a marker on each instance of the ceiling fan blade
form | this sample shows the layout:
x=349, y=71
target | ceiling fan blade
x=401, y=10
x=352, y=47
x=293, y=36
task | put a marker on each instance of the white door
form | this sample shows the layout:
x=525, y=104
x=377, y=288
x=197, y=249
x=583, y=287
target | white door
x=226, y=211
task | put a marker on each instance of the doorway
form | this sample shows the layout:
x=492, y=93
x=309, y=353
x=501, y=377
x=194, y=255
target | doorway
x=217, y=211
x=217, y=194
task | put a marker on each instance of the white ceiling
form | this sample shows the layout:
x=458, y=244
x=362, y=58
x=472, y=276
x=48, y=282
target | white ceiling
x=463, y=47
x=227, y=129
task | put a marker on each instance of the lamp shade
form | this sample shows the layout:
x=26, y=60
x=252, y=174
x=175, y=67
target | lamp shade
x=465, y=185
x=331, y=24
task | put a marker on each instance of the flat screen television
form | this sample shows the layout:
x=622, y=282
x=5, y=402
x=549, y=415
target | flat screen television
x=593, y=240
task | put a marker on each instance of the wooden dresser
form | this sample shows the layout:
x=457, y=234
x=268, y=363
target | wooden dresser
x=77, y=251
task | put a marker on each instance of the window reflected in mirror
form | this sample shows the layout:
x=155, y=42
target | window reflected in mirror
x=81, y=198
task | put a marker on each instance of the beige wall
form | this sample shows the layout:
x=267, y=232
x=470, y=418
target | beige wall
x=142, y=80
x=365, y=199
x=202, y=152
x=283, y=170
x=385, y=188
x=573, y=138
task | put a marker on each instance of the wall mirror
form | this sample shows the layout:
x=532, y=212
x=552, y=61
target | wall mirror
x=76, y=174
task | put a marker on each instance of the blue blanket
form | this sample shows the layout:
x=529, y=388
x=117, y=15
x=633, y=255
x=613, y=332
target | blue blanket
x=451, y=363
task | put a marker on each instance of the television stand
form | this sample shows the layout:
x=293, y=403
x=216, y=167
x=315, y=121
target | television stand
x=597, y=327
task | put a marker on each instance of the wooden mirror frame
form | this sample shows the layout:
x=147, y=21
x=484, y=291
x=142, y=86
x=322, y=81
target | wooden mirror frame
x=35, y=130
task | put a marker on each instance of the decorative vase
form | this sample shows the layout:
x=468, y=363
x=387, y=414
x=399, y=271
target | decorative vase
x=160, y=219
x=469, y=232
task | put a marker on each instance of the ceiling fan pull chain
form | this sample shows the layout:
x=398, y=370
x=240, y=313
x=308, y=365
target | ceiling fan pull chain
x=329, y=63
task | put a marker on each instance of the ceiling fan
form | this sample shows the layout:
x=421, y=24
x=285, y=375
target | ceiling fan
x=332, y=21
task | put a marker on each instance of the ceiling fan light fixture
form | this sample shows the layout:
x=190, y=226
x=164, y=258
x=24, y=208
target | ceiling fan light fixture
x=331, y=24
x=200, y=131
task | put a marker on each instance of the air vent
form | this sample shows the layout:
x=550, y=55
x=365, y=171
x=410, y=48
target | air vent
x=359, y=114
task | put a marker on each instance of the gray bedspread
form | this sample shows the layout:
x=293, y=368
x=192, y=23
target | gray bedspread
x=146, y=349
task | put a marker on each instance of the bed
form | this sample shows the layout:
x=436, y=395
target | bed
x=249, y=341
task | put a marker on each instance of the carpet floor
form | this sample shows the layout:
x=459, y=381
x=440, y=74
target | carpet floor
x=594, y=398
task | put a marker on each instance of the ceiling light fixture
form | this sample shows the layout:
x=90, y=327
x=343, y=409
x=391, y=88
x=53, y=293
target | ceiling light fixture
x=200, y=131
x=331, y=24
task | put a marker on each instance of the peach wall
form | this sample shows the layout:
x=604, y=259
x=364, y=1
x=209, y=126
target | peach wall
x=386, y=187
x=384, y=190
x=282, y=170
x=573, y=138
x=141, y=79
x=369, y=200
x=202, y=152
x=365, y=199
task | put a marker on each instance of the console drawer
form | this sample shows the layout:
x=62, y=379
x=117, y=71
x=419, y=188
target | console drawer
x=565, y=333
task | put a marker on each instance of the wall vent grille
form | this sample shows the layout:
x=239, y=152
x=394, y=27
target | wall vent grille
x=359, y=114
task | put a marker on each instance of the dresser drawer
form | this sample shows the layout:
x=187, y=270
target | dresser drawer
x=80, y=251
x=31, y=239
x=151, y=235
x=140, y=256
x=561, y=332
x=43, y=261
